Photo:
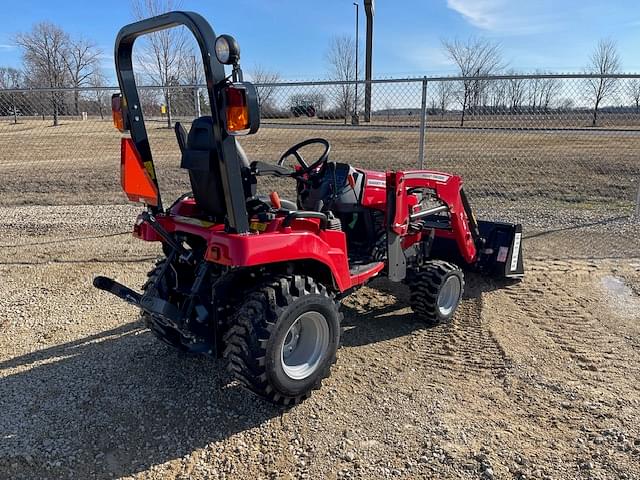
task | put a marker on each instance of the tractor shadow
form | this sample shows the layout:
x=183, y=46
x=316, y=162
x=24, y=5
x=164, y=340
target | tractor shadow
x=115, y=404
x=394, y=319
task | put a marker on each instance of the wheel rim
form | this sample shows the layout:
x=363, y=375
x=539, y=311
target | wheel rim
x=449, y=295
x=304, y=345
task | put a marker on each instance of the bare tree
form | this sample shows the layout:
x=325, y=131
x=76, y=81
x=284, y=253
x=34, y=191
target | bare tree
x=264, y=78
x=443, y=93
x=97, y=80
x=548, y=92
x=319, y=100
x=191, y=69
x=534, y=92
x=11, y=103
x=10, y=77
x=192, y=73
x=163, y=52
x=566, y=104
x=82, y=61
x=433, y=105
x=515, y=92
x=634, y=92
x=45, y=50
x=541, y=92
x=604, y=61
x=474, y=57
x=498, y=95
x=150, y=98
x=341, y=57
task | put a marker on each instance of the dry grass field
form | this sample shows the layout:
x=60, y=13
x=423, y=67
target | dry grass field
x=551, y=181
x=538, y=379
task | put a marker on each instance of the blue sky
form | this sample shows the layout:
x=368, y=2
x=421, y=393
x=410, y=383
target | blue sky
x=291, y=36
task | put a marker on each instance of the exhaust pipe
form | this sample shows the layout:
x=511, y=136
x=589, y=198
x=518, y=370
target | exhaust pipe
x=125, y=293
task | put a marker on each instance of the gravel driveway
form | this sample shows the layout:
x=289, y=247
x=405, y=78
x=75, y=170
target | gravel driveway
x=535, y=380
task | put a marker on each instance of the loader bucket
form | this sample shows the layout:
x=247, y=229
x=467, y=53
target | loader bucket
x=501, y=255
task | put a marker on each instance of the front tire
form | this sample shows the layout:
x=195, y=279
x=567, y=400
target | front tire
x=284, y=338
x=436, y=291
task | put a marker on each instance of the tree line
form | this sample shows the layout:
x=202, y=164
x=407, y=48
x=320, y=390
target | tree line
x=480, y=57
x=52, y=59
x=473, y=58
x=55, y=60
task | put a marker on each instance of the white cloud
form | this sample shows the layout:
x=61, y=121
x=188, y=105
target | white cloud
x=483, y=14
x=7, y=47
x=508, y=17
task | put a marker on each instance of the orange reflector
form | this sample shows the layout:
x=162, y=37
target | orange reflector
x=117, y=112
x=135, y=179
x=237, y=110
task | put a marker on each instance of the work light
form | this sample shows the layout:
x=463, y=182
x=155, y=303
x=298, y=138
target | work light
x=227, y=50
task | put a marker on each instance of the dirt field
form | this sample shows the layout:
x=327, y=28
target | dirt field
x=78, y=162
x=532, y=380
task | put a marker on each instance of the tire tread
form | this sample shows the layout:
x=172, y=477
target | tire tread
x=246, y=341
x=425, y=283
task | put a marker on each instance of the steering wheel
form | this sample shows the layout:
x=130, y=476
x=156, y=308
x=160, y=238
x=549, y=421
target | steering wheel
x=306, y=169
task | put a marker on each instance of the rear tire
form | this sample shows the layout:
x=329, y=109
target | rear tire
x=283, y=339
x=436, y=291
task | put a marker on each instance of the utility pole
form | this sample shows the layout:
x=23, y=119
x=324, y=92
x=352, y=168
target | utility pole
x=354, y=119
x=369, y=10
x=196, y=89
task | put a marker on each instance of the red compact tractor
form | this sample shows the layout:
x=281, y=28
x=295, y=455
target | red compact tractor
x=259, y=280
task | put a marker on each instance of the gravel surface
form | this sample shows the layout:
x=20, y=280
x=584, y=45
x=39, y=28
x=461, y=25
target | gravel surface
x=533, y=380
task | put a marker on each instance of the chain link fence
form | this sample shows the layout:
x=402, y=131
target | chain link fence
x=531, y=149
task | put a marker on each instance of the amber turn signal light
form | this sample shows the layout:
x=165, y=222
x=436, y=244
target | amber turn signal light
x=241, y=109
x=118, y=112
x=237, y=109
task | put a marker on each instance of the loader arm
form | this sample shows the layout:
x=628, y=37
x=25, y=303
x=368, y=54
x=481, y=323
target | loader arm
x=448, y=189
x=493, y=247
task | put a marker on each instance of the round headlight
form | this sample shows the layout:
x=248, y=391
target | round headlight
x=227, y=50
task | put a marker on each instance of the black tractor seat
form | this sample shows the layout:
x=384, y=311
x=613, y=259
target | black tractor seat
x=200, y=158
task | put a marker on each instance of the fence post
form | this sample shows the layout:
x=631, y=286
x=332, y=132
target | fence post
x=423, y=123
x=15, y=110
x=196, y=92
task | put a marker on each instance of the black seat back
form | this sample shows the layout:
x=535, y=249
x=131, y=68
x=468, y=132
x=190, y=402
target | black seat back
x=201, y=158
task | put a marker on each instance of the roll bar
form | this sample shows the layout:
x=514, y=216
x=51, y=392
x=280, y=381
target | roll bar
x=215, y=78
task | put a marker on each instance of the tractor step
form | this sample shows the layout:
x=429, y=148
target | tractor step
x=360, y=272
x=359, y=268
